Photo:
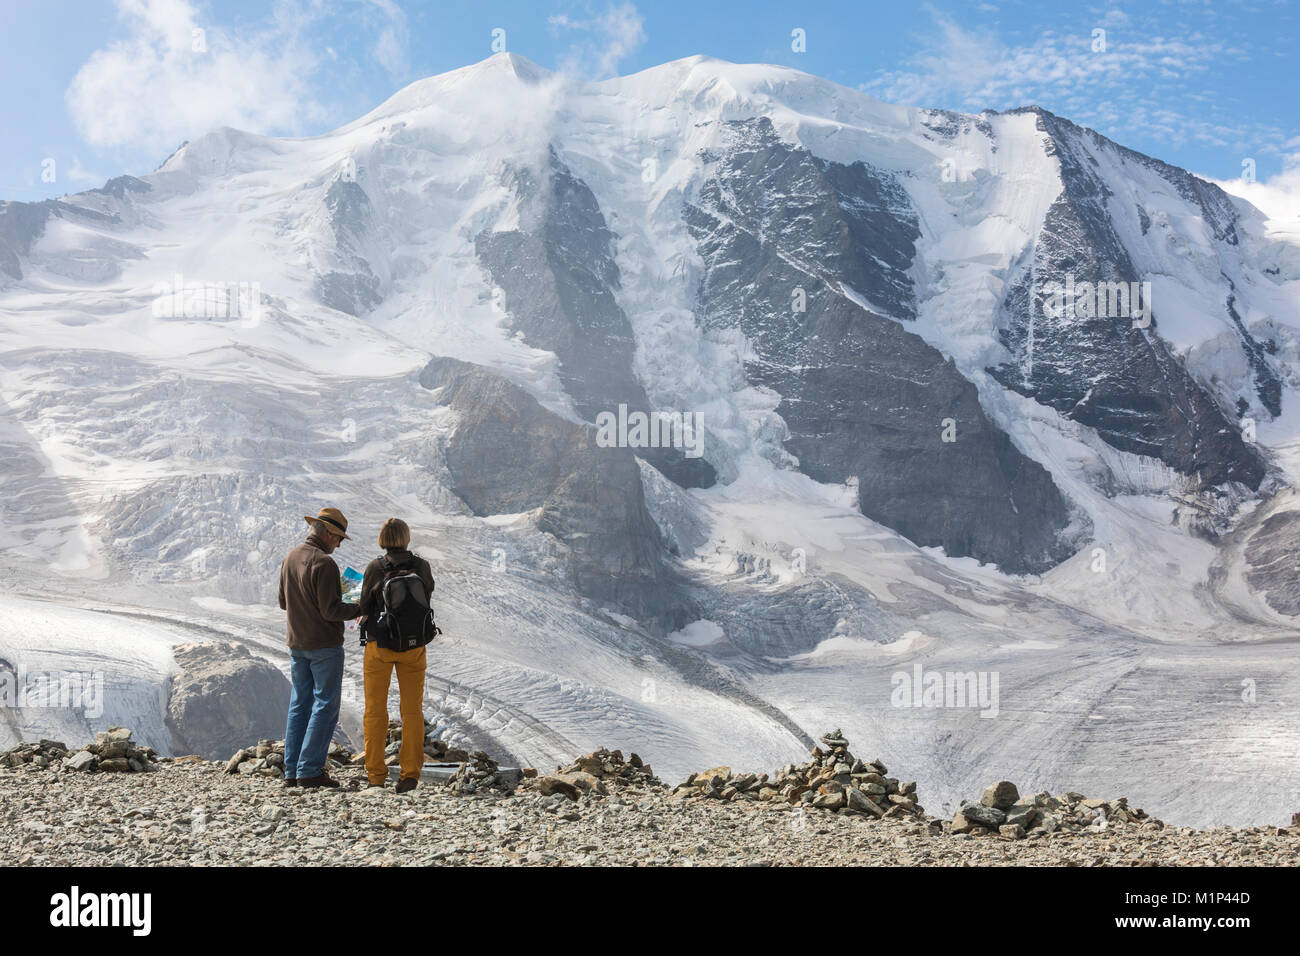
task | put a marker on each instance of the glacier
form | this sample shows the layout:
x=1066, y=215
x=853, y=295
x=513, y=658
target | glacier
x=451, y=287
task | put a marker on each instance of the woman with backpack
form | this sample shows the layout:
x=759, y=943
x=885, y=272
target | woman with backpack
x=397, y=623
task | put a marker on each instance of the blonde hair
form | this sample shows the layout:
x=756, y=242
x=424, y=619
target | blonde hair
x=395, y=534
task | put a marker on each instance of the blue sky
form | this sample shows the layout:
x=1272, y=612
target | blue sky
x=103, y=87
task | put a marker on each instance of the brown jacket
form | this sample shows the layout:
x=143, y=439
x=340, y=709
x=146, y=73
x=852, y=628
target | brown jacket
x=372, y=598
x=312, y=594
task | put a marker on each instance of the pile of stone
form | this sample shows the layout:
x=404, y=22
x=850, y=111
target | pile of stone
x=594, y=773
x=480, y=772
x=40, y=755
x=439, y=751
x=267, y=759
x=833, y=780
x=1001, y=811
x=113, y=751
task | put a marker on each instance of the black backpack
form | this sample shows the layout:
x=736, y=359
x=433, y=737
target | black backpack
x=406, y=621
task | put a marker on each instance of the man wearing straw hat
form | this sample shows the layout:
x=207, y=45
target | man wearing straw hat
x=311, y=593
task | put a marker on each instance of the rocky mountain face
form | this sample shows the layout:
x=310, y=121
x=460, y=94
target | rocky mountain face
x=23, y=224
x=456, y=290
x=809, y=260
x=348, y=283
x=560, y=280
x=509, y=455
x=808, y=266
x=1110, y=371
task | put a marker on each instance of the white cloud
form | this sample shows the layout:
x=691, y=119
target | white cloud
x=607, y=39
x=175, y=76
x=1115, y=88
x=1277, y=197
x=392, y=47
x=79, y=174
x=977, y=70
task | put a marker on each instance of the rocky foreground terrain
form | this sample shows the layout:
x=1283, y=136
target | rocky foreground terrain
x=602, y=809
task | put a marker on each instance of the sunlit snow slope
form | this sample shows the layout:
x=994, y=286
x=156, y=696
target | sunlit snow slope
x=435, y=302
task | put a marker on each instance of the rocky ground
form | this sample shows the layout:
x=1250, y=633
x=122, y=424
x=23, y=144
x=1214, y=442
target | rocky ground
x=601, y=810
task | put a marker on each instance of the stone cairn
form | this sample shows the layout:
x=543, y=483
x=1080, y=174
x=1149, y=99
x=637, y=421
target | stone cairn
x=833, y=780
x=479, y=772
x=1001, y=811
x=267, y=759
x=113, y=751
x=594, y=773
x=439, y=751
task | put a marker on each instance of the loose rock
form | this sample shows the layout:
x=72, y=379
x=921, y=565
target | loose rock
x=833, y=780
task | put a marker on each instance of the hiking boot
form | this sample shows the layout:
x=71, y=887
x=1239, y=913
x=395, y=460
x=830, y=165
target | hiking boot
x=369, y=785
x=324, y=780
x=291, y=781
x=406, y=784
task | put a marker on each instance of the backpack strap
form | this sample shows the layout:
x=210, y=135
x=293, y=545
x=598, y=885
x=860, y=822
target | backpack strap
x=391, y=568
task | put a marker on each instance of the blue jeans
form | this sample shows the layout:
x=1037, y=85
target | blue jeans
x=317, y=678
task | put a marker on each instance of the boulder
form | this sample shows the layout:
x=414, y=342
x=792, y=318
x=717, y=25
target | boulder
x=982, y=815
x=222, y=697
x=81, y=760
x=1001, y=795
x=1023, y=814
x=551, y=784
x=232, y=765
x=829, y=801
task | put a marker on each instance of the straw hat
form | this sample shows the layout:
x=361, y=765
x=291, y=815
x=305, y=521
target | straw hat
x=332, y=520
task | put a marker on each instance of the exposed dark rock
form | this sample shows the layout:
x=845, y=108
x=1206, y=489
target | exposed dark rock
x=112, y=751
x=862, y=396
x=559, y=276
x=119, y=186
x=266, y=758
x=353, y=287
x=509, y=454
x=223, y=696
x=948, y=125
x=1123, y=381
x=1273, y=561
x=982, y=815
x=22, y=223
x=1002, y=795
x=1267, y=384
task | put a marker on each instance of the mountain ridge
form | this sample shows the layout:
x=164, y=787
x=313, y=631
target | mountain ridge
x=905, y=459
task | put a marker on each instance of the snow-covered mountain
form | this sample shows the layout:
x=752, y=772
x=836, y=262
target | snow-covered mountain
x=977, y=394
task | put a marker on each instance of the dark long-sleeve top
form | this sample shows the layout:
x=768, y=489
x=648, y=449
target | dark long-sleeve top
x=311, y=593
x=372, y=598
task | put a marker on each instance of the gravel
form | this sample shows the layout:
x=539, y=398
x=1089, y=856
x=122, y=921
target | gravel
x=192, y=812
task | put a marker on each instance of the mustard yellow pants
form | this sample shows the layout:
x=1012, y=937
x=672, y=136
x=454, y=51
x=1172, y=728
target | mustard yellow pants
x=378, y=673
